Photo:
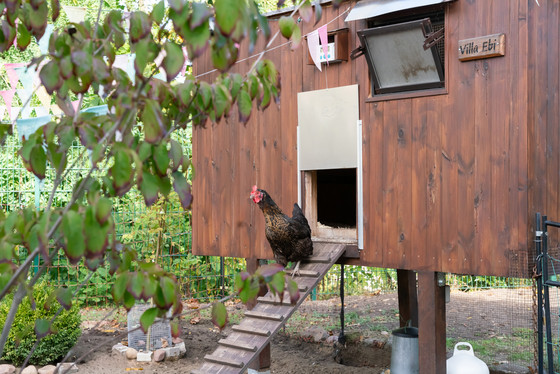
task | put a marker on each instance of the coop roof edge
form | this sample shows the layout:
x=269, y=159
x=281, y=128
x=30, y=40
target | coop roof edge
x=375, y=8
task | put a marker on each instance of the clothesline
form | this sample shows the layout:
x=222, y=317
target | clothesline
x=273, y=48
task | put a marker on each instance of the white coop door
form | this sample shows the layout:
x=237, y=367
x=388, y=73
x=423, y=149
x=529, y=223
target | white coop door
x=329, y=136
x=327, y=122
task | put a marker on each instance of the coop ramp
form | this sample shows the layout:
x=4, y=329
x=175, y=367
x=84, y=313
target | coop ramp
x=256, y=330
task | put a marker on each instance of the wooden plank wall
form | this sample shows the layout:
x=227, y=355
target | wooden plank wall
x=543, y=110
x=451, y=182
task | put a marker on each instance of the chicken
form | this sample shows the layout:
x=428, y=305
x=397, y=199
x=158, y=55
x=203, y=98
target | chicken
x=289, y=238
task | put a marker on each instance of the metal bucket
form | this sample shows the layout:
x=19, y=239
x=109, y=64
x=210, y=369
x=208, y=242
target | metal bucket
x=404, y=354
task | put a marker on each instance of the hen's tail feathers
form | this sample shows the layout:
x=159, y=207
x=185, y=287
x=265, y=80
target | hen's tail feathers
x=297, y=214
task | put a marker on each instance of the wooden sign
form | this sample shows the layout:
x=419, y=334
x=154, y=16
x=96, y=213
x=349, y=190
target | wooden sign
x=482, y=47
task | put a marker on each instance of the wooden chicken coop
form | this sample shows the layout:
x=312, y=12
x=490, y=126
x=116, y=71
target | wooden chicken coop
x=427, y=144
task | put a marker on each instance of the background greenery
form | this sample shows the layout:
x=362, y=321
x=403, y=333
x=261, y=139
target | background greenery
x=22, y=338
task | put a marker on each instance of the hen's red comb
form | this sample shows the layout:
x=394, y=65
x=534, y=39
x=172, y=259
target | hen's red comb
x=254, y=189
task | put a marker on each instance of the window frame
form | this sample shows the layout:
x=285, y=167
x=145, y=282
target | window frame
x=437, y=13
x=425, y=25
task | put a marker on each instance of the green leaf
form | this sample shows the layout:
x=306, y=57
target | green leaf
x=128, y=300
x=72, y=228
x=239, y=280
x=122, y=172
x=141, y=56
x=219, y=315
x=55, y=156
x=158, y=12
x=24, y=37
x=222, y=100
x=149, y=188
x=236, y=82
x=64, y=297
x=168, y=288
x=150, y=287
x=103, y=210
x=306, y=11
x=196, y=39
x=152, y=117
x=267, y=271
x=277, y=284
x=96, y=235
x=183, y=189
x=55, y=10
x=264, y=100
x=161, y=158
x=293, y=290
x=139, y=26
x=175, y=327
x=82, y=61
x=176, y=154
x=38, y=161
x=244, y=106
x=318, y=11
x=147, y=319
x=38, y=16
x=200, y=14
x=42, y=327
x=173, y=61
x=50, y=76
x=228, y=13
x=136, y=284
x=185, y=92
x=119, y=287
x=296, y=38
x=205, y=93
x=287, y=26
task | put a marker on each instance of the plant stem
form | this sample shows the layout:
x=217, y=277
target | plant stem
x=18, y=297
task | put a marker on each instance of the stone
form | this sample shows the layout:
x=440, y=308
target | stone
x=144, y=356
x=316, y=333
x=119, y=349
x=159, y=355
x=177, y=340
x=49, y=369
x=29, y=370
x=375, y=343
x=67, y=368
x=172, y=353
x=181, y=347
x=7, y=369
x=131, y=353
x=332, y=339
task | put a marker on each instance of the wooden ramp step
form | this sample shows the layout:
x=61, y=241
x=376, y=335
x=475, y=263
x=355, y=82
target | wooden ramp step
x=255, y=331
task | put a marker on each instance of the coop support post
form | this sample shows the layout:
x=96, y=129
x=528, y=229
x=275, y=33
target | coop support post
x=431, y=324
x=408, y=298
x=341, y=336
x=263, y=360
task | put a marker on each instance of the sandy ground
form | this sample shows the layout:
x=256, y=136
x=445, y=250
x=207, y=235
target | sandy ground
x=470, y=316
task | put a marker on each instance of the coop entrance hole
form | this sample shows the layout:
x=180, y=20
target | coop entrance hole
x=336, y=198
x=331, y=203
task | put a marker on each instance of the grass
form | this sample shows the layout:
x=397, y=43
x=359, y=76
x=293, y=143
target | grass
x=511, y=348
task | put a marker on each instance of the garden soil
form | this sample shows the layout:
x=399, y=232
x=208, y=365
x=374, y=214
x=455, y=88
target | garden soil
x=492, y=314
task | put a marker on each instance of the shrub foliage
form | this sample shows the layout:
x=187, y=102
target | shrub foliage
x=65, y=328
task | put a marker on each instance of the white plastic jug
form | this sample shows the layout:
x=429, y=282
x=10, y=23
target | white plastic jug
x=463, y=361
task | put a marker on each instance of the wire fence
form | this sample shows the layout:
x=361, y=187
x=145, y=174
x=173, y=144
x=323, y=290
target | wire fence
x=162, y=233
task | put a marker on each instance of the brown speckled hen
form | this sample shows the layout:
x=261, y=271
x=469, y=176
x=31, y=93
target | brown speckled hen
x=289, y=237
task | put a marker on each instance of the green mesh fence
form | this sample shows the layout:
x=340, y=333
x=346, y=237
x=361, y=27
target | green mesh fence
x=162, y=233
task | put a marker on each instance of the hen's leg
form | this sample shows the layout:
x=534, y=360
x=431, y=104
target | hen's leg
x=296, y=269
